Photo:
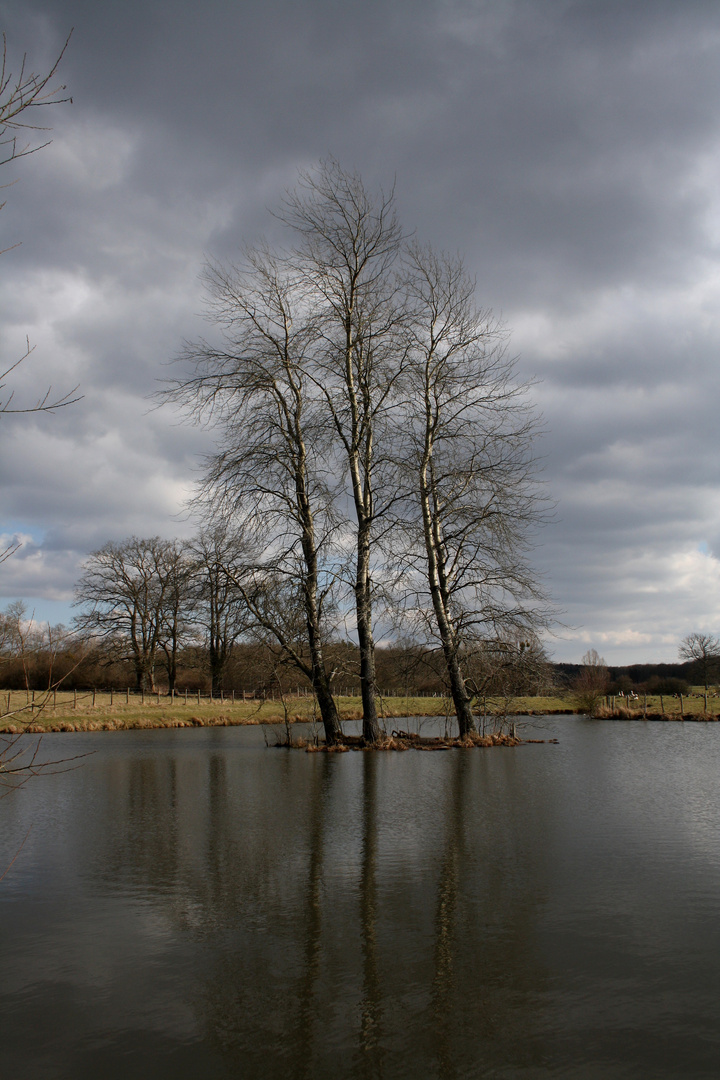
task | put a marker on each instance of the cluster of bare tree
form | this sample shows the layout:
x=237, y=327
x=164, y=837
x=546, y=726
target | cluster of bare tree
x=185, y=611
x=374, y=447
x=211, y=656
x=147, y=600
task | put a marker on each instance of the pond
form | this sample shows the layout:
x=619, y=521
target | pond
x=192, y=904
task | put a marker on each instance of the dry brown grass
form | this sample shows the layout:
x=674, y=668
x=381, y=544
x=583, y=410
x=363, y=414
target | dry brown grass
x=674, y=716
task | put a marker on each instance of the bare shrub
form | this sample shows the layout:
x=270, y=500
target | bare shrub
x=591, y=685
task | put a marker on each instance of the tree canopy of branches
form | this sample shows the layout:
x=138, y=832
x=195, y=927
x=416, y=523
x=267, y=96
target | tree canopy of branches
x=271, y=467
x=219, y=609
x=348, y=243
x=467, y=467
x=704, y=649
x=372, y=439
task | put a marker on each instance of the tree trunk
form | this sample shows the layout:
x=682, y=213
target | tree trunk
x=460, y=696
x=362, y=495
x=144, y=673
x=319, y=676
x=440, y=600
x=217, y=667
x=328, y=710
x=371, y=726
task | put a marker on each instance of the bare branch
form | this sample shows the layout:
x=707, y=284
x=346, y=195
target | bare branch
x=46, y=403
x=21, y=93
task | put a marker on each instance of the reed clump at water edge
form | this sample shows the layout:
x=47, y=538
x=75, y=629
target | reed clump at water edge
x=605, y=713
x=120, y=724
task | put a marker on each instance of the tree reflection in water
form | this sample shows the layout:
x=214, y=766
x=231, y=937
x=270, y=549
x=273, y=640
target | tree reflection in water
x=370, y=1044
x=367, y=909
x=192, y=904
x=446, y=970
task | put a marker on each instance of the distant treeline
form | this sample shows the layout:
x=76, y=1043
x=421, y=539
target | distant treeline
x=253, y=668
x=47, y=657
x=649, y=678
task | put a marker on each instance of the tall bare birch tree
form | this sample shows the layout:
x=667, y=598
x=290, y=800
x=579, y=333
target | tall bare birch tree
x=349, y=240
x=470, y=473
x=270, y=471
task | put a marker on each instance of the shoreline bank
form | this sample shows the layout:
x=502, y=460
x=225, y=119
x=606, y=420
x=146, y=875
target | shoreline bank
x=100, y=712
x=39, y=717
x=159, y=723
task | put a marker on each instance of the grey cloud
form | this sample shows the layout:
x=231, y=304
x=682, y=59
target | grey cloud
x=571, y=149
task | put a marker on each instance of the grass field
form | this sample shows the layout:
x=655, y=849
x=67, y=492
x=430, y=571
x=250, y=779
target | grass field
x=66, y=711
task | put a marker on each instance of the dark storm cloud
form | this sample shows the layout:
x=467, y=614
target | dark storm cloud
x=570, y=149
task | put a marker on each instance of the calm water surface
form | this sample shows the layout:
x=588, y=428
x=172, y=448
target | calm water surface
x=190, y=904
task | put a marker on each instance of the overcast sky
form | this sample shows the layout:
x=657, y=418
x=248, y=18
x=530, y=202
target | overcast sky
x=570, y=149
